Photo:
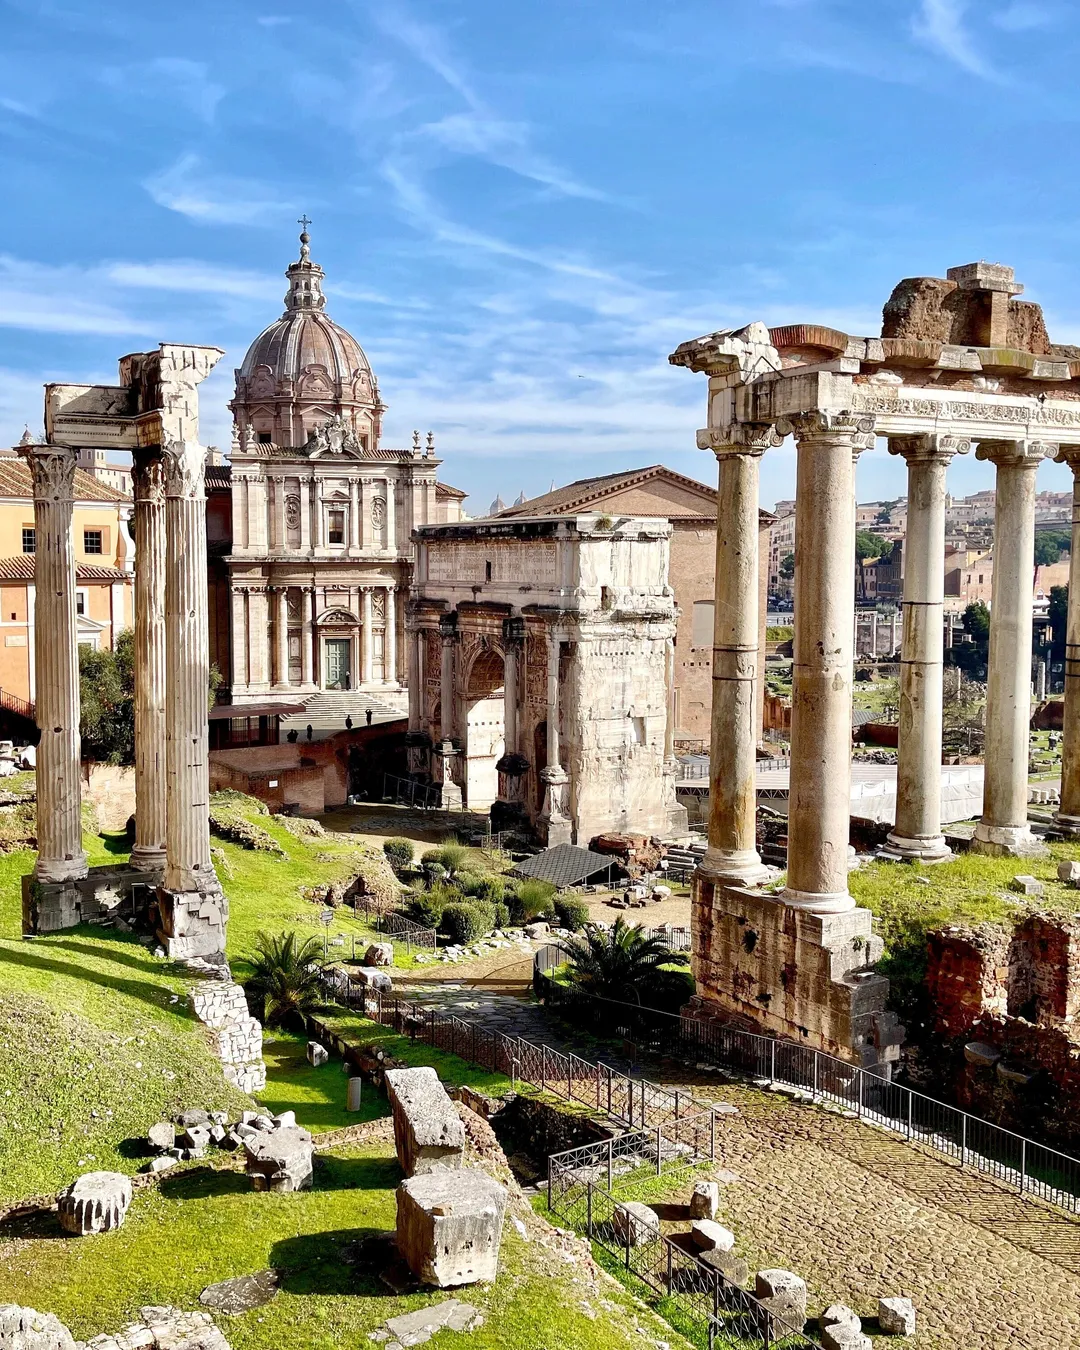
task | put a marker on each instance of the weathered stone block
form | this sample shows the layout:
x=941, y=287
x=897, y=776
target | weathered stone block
x=427, y=1130
x=704, y=1200
x=783, y=1295
x=317, y=1054
x=896, y=1316
x=28, y=1329
x=162, y=1136
x=280, y=1160
x=370, y=977
x=96, y=1203
x=710, y=1236
x=732, y=1267
x=379, y=954
x=635, y=1224
x=1026, y=885
x=982, y=1054
x=840, y=1315
x=844, y=1337
x=449, y=1226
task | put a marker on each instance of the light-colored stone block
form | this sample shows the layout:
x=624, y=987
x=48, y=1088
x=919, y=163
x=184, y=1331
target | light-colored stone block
x=708, y=1235
x=1069, y=873
x=317, y=1054
x=635, y=1224
x=280, y=1160
x=379, y=954
x=1026, y=885
x=427, y=1129
x=896, y=1316
x=704, y=1200
x=783, y=1295
x=843, y=1336
x=28, y=1329
x=96, y=1203
x=449, y=1226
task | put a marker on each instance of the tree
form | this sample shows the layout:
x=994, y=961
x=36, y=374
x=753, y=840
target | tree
x=1050, y=545
x=787, y=566
x=107, y=695
x=621, y=963
x=1058, y=616
x=963, y=716
x=870, y=545
x=284, y=985
x=972, y=656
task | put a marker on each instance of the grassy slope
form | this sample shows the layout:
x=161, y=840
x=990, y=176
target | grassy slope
x=96, y=1042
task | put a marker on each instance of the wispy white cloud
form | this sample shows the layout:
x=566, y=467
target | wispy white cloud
x=1023, y=15
x=209, y=198
x=58, y=300
x=199, y=278
x=186, y=81
x=939, y=24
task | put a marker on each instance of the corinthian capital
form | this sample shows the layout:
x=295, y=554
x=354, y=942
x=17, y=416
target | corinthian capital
x=740, y=438
x=1070, y=455
x=927, y=447
x=52, y=471
x=855, y=428
x=148, y=475
x=1021, y=454
x=185, y=470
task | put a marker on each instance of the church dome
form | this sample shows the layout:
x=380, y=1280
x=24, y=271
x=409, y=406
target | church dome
x=305, y=335
x=304, y=370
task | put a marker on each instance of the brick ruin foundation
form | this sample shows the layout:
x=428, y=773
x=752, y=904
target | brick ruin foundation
x=1004, y=1010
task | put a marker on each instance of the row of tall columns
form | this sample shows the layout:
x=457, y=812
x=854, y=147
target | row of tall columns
x=1069, y=811
x=148, y=477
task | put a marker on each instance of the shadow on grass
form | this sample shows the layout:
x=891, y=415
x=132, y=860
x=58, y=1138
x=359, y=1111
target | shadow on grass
x=42, y=1223
x=115, y=841
x=204, y=1183
x=347, y=1261
x=356, y=1174
x=32, y=959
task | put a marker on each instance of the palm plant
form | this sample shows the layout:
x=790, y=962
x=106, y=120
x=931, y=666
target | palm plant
x=284, y=985
x=621, y=963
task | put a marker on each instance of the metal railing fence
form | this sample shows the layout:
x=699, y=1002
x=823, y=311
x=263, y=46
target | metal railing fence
x=1024, y=1164
x=701, y=1300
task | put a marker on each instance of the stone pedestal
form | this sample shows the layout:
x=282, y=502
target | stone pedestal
x=1003, y=828
x=192, y=909
x=555, y=824
x=764, y=965
x=148, y=474
x=60, y=856
x=916, y=835
x=449, y=1226
x=446, y=756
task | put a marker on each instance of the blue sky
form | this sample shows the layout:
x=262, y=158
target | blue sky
x=523, y=207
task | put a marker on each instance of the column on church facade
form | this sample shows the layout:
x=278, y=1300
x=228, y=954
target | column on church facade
x=317, y=539
x=819, y=810
x=60, y=855
x=258, y=637
x=354, y=515
x=148, y=478
x=368, y=643
x=1068, y=814
x=390, y=671
x=391, y=515
x=732, y=848
x=192, y=910
x=917, y=831
x=281, y=637
x=1003, y=827
x=241, y=670
x=363, y=500
x=305, y=514
x=307, y=636
x=281, y=538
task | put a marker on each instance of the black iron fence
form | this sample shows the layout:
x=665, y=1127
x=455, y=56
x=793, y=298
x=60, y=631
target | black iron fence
x=700, y=1299
x=1024, y=1164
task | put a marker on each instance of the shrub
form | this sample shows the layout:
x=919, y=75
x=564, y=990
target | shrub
x=427, y=907
x=492, y=888
x=535, y=900
x=502, y=914
x=464, y=923
x=434, y=872
x=571, y=913
x=469, y=883
x=399, y=853
x=452, y=856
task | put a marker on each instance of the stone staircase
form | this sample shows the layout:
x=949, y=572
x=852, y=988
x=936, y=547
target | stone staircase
x=326, y=712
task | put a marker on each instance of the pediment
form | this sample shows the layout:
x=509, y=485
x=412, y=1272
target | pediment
x=337, y=617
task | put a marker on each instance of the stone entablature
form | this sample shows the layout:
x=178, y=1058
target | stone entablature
x=540, y=671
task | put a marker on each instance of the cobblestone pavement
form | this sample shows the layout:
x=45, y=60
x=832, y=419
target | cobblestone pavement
x=859, y=1214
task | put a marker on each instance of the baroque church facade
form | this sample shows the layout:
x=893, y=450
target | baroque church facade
x=310, y=524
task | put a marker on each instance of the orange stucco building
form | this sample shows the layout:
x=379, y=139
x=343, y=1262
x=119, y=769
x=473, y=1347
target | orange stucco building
x=104, y=559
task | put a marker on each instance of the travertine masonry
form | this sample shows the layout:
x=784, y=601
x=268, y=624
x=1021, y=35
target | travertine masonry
x=235, y=1035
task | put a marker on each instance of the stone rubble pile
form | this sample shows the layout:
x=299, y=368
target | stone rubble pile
x=235, y=1036
x=158, y=1328
x=190, y=1134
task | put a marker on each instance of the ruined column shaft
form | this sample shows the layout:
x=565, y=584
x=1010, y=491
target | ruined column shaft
x=188, y=867
x=732, y=851
x=60, y=855
x=1003, y=827
x=819, y=811
x=148, y=474
x=917, y=831
x=1068, y=815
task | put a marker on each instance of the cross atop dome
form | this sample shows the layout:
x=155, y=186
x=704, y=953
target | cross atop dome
x=305, y=277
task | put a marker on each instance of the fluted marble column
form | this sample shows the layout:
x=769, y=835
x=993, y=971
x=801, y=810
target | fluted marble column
x=447, y=720
x=148, y=475
x=1068, y=814
x=511, y=655
x=732, y=851
x=369, y=643
x=819, y=811
x=1003, y=828
x=192, y=909
x=390, y=637
x=60, y=855
x=917, y=831
x=391, y=515
x=281, y=637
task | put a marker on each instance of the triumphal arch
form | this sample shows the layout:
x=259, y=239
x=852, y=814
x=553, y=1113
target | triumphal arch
x=960, y=364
